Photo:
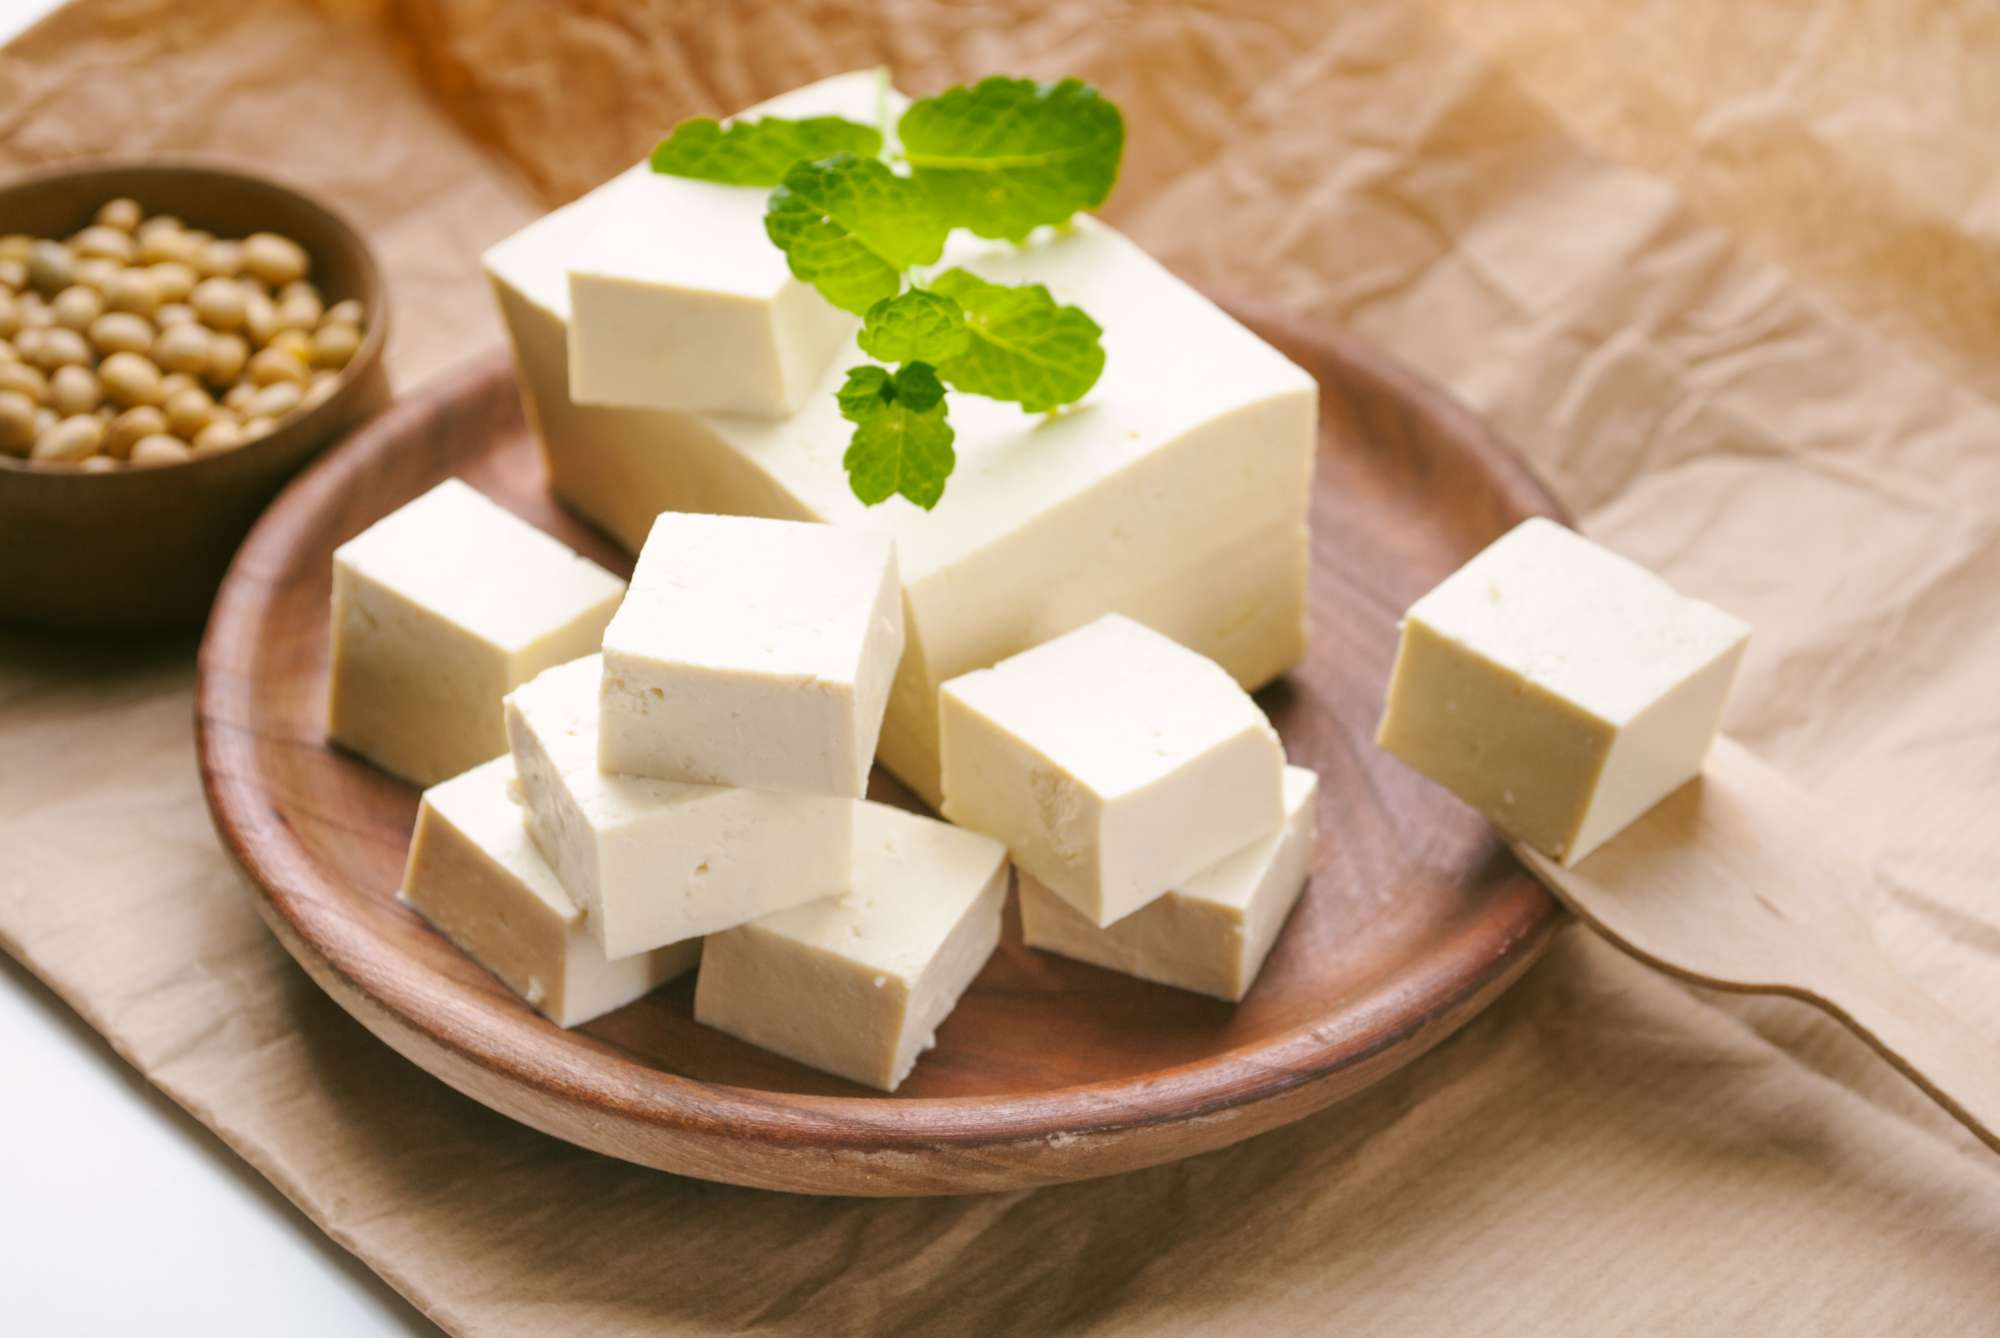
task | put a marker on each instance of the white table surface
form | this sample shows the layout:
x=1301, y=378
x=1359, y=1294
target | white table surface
x=119, y=1214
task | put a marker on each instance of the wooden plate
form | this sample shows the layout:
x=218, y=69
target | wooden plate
x=1049, y=1070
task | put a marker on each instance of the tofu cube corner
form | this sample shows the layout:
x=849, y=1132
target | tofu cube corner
x=439, y=609
x=1212, y=933
x=654, y=862
x=857, y=985
x=1559, y=688
x=679, y=302
x=755, y=653
x=1114, y=762
x=477, y=878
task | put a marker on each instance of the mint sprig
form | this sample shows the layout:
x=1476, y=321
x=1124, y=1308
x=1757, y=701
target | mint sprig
x=1000, y=159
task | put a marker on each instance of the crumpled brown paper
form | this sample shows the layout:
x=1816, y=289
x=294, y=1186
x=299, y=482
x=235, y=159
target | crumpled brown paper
x=1603, y=1151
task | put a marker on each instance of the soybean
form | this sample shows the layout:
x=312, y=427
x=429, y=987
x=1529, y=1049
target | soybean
x=273, y=259
x=96, y=272
x=335, y=345
x=17, y=422
x=161, y=449
x=98, y=240
x=24, y=380
x=172, y=280
x=51, y=268
x=272, y=365
x=220, y=435
x=218, y=303
x=132, y=290
x=130, y=379
x=274, y=401
x=77, y=306
x=295, y=342
x=189, y=411
x=122, y=214
x=183, y=348
x=70, y=440
x=348, y=312
x=227, y=355
x=121, y=332
x=74, y=390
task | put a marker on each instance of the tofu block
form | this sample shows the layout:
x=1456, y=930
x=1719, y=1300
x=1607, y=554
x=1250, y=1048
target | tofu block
x=678, y=300
x=440, y=608
x=1114, y=762
x=653, y=862
x=856, y=986
x=1174, y=493
x=475, y=875
x=1559, y=688
x=753, y=652
x=1212, y=933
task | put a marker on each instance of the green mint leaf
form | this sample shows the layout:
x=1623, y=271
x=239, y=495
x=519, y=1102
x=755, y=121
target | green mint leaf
x=1006, y=156
x=758, y=153
x=915, y=326
x=850, y=227
x=863, y=394
x=1024, y=347
x=917, y=386
x=901, y=442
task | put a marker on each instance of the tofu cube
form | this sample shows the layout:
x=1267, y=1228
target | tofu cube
x=679, y=301
x=755, y=653
x=1114, y=762
x=1174, y=493
x=439, y=609
x=704, y=320
x=856, y=986
x=1558, y=688
x=1212, y=933
x=475, y=875
x=651, y=861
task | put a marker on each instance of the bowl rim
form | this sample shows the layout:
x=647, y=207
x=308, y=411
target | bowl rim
x=315, y=419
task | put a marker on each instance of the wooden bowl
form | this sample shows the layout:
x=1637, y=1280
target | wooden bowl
x=1048, y=1070
x=146, y=546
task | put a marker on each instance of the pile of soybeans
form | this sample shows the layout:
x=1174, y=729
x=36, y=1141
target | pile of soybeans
x=141, y=341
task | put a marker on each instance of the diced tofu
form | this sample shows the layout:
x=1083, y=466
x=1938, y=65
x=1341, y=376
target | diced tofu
x=1115, y=764
x=440, y=608
x=651, y=861
x=1212, y=933
x=753, y=652
x=857, y=986
x=1559, y=688
x=679, y=301
x=475, y=875
x=1175, y=492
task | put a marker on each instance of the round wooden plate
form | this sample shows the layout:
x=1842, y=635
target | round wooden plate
x=1049, y=1070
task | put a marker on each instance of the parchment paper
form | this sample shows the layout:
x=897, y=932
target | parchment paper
x=1604, y=1151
